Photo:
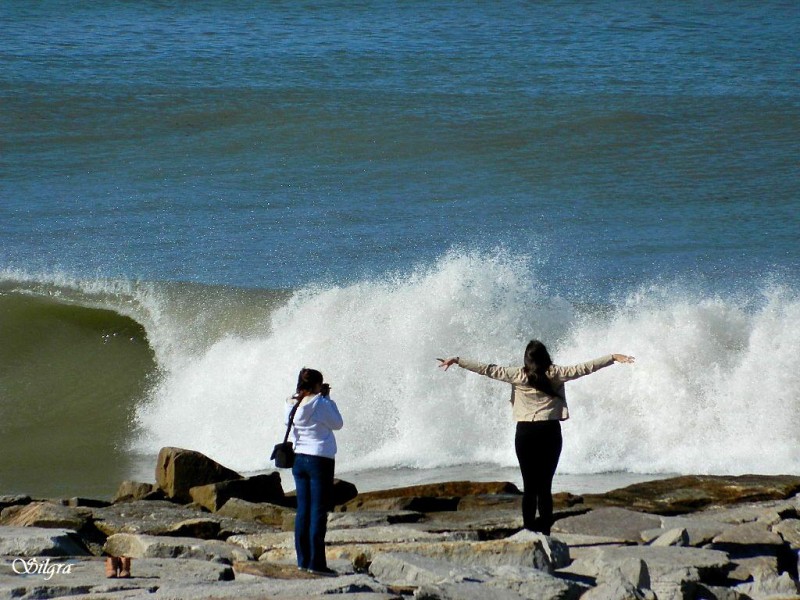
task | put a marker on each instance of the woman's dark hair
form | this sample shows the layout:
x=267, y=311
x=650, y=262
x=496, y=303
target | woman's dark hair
x=308, y=380
x=537, y=361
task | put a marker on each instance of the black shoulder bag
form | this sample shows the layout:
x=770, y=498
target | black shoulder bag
x=283, y=453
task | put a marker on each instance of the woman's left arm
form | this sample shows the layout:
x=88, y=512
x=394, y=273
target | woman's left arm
x=579, y=370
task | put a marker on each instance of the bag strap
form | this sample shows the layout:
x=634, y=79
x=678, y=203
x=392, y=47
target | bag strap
x=291, y=420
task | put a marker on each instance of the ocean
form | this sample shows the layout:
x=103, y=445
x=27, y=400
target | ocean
x=198, y=199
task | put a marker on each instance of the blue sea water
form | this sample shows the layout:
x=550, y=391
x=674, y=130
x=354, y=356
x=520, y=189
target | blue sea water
x=399, y=180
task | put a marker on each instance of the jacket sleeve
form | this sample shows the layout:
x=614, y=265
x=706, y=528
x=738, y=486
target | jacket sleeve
x=581, y=369
x=506, y=374
x=328, y=414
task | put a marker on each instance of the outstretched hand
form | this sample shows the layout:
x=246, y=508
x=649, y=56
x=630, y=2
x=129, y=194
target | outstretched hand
x=622, y=358
x=446, y=363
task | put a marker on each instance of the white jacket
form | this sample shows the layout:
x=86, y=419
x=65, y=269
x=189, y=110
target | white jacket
x=316, y=419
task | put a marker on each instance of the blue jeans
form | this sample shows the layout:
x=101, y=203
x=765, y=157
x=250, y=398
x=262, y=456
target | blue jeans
x=313, y=478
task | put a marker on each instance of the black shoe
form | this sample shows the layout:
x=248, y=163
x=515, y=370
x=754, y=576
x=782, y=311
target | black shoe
x=324, y=572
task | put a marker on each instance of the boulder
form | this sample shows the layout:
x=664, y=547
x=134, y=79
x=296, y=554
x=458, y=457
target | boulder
x=343, y=492
x=273, y=515
x=129, y=491
x=14, y=500
x=427, y=497
x=260, y=488
x=151, y=546
x=178, y=470
x=617, y=523
x=40, y=541
x=46, y=514
x=679, y=495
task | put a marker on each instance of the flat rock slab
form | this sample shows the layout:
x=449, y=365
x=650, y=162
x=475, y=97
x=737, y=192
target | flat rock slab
x=87, y=577
x=161, y=517
x=261, y=588
x=40, y=541
x=410, y=569
x=679, y=495
x=45, y=514
x=489, y=523
x=371, y=518
x=488, y=554
x=617, y=523
x=664, y=560
x=151, y=546
x=281, y=544
x=748, y=534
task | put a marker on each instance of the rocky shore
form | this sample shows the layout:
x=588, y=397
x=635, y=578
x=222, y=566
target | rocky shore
x=204, y=531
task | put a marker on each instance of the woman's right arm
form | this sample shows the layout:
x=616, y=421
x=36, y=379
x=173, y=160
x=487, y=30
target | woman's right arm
x=492, y=371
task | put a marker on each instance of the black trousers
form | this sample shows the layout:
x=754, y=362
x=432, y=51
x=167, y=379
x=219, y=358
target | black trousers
x=538, y=446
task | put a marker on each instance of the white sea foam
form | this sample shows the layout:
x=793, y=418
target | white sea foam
x=714, y=389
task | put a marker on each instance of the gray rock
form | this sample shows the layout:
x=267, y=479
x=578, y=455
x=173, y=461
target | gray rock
x=259, y=512
x=633, y=571
x=14, y=500
x=577, y=540
x=617, y=590
x=258, y=543
x=371, y=518
x=488, y=553
x=86, y=578
x=46, y=514
x=556, y=550
x=789, y=530
x=674, y=571
x=134, y=490
x=748, y=534
x=490, y=524
x=178, y=470
x=672, y=537
x=746, y=568
x=700, y=530
x=39, y=541
x=253, y=587
x=403, y=569
x=464, y=591
x=151, y=546
x=395, y=534
x=611, y=522
x=746, y=513
x=769, y=586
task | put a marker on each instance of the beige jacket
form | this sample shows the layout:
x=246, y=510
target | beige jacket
x=529, y=403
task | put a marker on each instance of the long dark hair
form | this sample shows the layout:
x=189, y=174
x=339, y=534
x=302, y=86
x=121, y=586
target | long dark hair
x=307, y=381
x=537, y=361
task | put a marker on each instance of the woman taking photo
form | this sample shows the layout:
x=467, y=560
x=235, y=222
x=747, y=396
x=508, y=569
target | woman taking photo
x=315, y=420
x=539, y=405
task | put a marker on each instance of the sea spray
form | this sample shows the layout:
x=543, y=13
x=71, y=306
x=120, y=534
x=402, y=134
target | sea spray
x=712, y=390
